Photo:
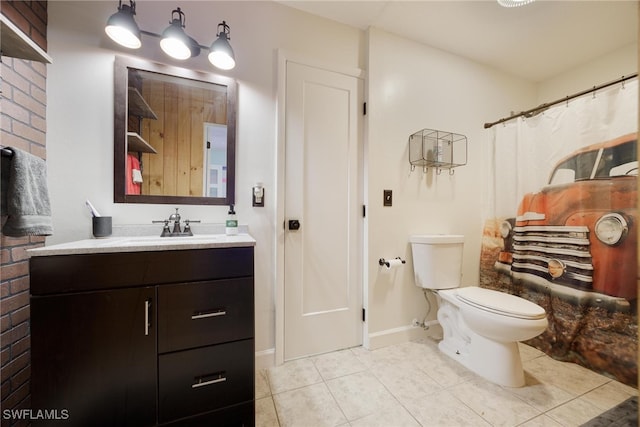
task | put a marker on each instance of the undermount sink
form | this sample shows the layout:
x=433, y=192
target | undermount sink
x=157, y=240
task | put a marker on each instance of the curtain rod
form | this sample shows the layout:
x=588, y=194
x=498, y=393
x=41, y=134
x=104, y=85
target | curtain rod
x=543, y=107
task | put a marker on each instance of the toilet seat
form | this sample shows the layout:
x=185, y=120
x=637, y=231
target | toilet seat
x=500, y=303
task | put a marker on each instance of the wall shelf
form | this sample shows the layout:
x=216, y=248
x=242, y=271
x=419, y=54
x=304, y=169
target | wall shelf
x=137, y=144
x=138, y=106
x=430, y=148
x=16, y=44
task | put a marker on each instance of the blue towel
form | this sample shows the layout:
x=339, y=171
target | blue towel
x=24, y=196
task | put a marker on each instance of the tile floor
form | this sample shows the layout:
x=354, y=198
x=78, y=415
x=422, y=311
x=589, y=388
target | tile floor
x=413, y=384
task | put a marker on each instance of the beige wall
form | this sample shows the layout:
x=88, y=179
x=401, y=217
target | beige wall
x=411, y=87
x=609, y=67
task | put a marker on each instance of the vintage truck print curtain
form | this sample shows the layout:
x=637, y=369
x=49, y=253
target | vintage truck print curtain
x=561, y=228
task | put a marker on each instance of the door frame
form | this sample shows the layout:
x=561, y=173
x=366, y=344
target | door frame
x=285, y=56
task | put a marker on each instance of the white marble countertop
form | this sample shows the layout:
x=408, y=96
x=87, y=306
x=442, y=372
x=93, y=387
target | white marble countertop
x=135, y=243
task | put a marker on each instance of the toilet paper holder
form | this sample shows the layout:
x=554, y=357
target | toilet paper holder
x=384, y=262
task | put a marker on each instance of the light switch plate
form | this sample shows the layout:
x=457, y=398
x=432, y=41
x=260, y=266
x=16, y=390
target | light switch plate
x=254, y=202
x=387, y=198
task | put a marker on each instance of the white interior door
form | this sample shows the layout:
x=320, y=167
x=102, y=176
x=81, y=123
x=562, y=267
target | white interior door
x=215, y=160
x=323, y=192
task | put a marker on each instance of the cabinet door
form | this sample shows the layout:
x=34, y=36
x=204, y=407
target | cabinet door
x=94, y=355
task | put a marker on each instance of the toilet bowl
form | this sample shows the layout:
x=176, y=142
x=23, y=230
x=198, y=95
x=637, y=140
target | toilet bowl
x=481, y=327
x=493, y=322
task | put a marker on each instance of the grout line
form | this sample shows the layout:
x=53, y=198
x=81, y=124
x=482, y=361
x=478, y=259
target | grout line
x=337, y=403
x=275, y=409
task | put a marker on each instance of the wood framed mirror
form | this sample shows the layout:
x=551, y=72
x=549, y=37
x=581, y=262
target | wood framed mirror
x=174, y=135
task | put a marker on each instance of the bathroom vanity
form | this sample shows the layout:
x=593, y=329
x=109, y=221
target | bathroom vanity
x=135, y=332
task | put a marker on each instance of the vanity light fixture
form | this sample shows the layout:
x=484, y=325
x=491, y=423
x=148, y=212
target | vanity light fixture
x=514, y=3
x=221, y=54
x=175, y=42
x=122, y=28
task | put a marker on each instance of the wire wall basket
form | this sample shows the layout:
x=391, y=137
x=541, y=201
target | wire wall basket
x=437, y=149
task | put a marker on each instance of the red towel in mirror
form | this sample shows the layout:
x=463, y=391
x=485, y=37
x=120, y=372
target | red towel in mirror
x=132, y=164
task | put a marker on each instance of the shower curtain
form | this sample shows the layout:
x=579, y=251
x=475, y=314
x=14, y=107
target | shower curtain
x=561, y=225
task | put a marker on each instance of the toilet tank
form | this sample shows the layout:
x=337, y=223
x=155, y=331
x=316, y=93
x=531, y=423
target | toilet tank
x=437, y=260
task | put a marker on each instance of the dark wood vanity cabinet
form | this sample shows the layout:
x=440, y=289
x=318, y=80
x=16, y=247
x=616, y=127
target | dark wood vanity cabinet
x=144, y=338
x=90, y=355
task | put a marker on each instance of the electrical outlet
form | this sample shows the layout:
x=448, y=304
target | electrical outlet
x=387, y=198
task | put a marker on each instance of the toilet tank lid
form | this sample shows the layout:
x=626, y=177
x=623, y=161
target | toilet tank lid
x=436, y=238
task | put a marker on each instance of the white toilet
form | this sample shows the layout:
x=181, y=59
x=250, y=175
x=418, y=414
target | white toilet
x=481, y=327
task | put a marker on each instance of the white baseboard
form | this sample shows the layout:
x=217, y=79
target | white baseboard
x=402, y=334
x=265, y=358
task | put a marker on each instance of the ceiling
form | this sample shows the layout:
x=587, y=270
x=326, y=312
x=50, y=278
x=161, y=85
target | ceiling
x=535, y=42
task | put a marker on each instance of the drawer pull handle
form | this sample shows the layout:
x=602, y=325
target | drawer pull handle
x=205, y=314
x=219, y=378
x=147, y=308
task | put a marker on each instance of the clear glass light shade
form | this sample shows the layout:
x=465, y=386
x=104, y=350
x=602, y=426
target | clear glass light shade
x=221, y=54
x=122, y=28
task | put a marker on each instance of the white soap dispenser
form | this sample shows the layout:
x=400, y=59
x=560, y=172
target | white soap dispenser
x=231, y=225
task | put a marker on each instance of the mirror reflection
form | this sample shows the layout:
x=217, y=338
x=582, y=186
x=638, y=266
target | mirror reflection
x=215, y=162
x=179, y=141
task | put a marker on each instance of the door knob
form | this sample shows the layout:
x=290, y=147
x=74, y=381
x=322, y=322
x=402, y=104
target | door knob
x=294, y=224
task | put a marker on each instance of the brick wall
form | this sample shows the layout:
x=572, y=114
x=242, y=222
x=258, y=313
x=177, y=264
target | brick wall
x=23, y=120
x=30, y=17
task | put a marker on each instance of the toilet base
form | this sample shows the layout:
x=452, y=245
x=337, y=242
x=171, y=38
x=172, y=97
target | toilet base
x=498, y=362
x=495, y=361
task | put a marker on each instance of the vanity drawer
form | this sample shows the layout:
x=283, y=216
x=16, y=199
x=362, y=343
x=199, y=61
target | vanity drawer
x=198, y=314
x=205, y=379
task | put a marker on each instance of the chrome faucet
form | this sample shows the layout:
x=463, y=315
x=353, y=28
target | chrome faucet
x=175, y=217
x=177, y=231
